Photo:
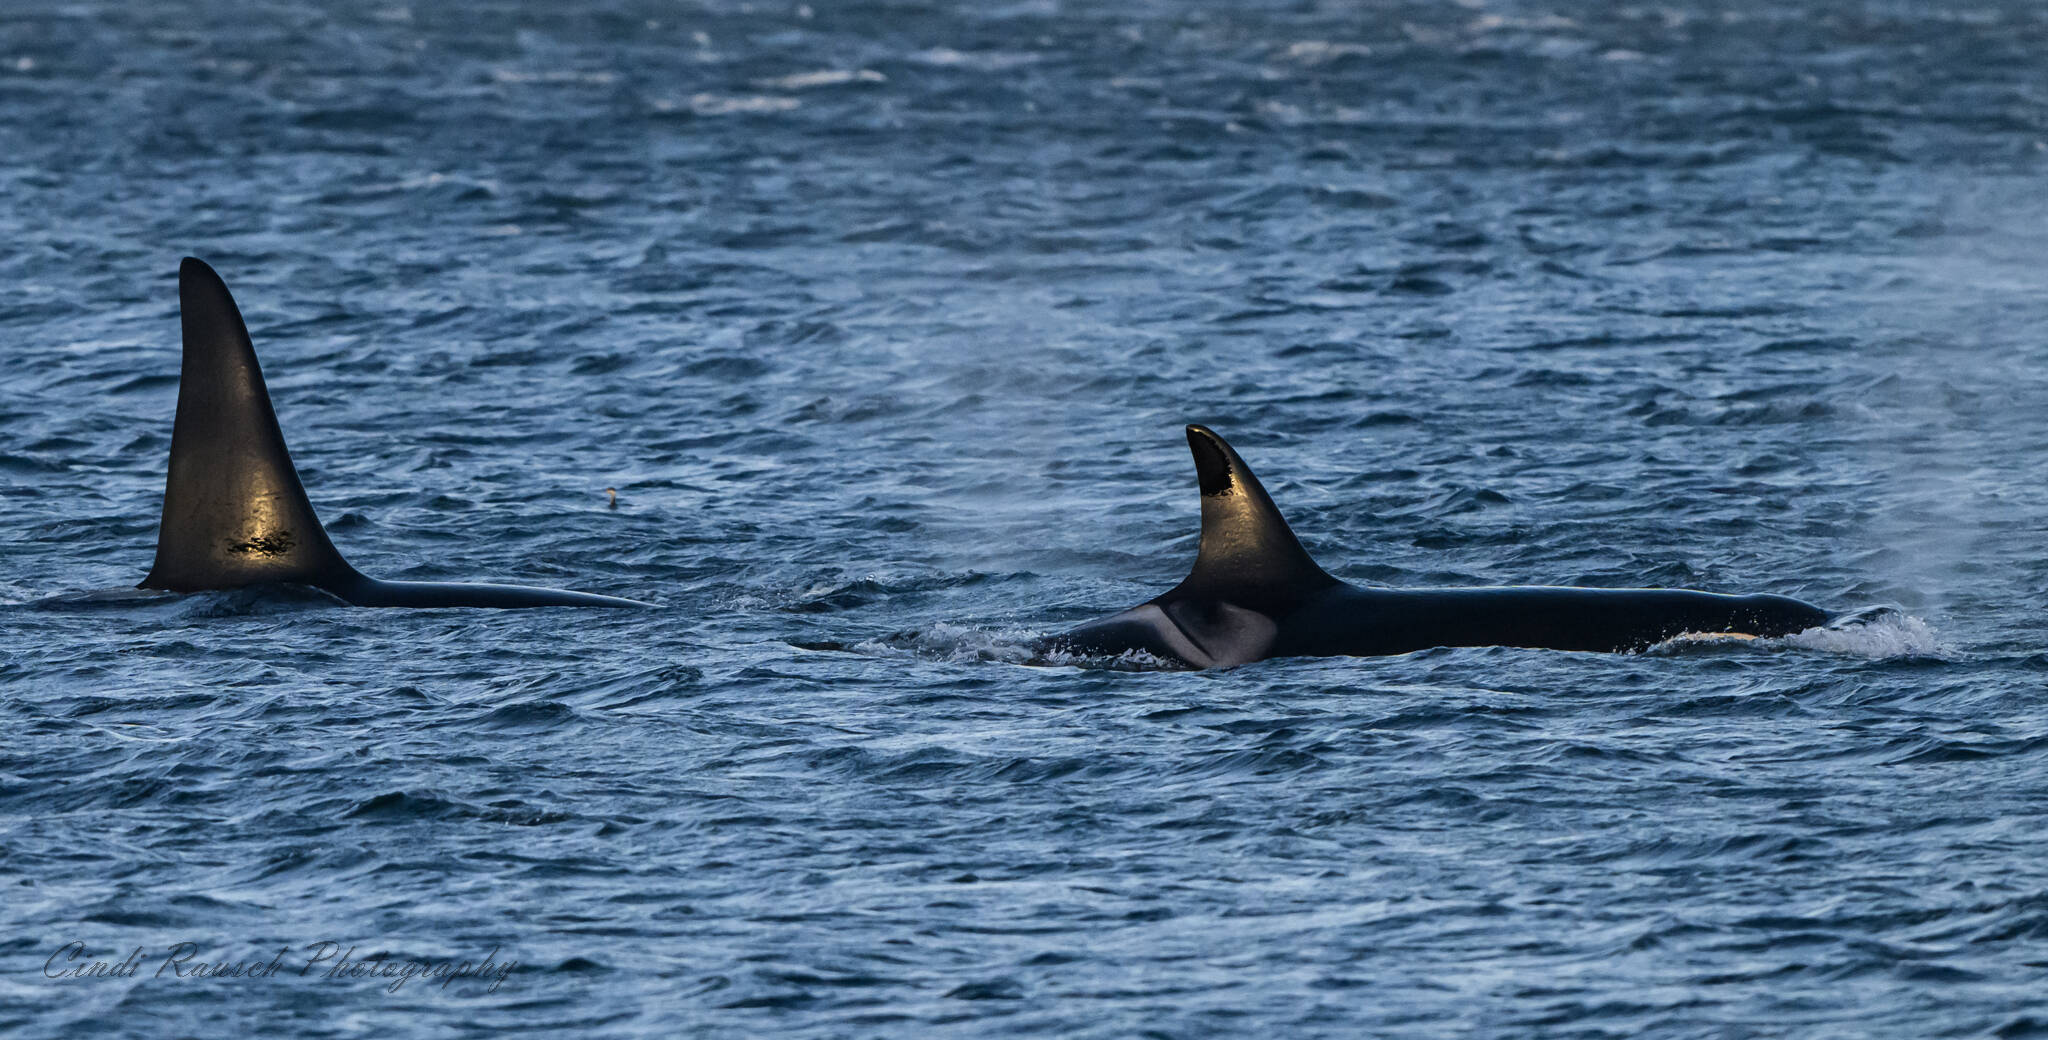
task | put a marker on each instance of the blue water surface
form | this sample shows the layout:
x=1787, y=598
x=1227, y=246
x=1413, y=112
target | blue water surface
x=882, y=318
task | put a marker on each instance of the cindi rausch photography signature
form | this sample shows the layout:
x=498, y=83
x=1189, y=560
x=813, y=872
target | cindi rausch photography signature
x=324, y=959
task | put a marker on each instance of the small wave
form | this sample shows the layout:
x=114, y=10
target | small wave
x=986, y=61
x=821, y=78
x=555, y=76
x=538, y=715
x=1318, y=52
x=1002, y=988
x=452, y=188
x=239, y=602
x=836, y=593
x=404, y=805
x=726, y=104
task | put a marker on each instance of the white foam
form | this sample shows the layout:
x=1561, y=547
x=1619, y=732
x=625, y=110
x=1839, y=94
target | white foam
x=957, y=644
x=1875, y=634
x=967, y=644
x=1892, y=633
x=1128, y=661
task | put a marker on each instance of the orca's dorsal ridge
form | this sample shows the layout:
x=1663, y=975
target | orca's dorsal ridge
x=234, y=510
x=235, y=513
x=1248, y=555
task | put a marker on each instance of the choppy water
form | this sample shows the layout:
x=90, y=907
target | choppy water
x=883, y=320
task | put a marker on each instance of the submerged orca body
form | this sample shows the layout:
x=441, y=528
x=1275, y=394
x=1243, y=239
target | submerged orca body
x=1255, y=593
x=234, y=512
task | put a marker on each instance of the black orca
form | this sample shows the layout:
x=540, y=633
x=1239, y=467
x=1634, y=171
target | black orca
x=1255, y=593
x=234, y=512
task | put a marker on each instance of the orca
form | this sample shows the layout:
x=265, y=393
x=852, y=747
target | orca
x=1255, y=594
x=234, y=511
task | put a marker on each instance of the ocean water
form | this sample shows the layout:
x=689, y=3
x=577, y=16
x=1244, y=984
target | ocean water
x=882, y=319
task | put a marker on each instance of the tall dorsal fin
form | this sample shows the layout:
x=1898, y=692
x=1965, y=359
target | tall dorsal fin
x=234, y=512
x=1248, y=554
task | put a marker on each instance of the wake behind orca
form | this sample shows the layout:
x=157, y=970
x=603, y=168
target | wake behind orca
x=234, y=511
x=1254, y=593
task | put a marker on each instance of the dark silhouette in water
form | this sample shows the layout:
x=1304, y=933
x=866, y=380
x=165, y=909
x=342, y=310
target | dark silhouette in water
x=234, y=512
x=1254, y=593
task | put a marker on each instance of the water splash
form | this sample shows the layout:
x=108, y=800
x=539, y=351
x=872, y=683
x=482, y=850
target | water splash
x=969, y=644
x=955, y=644
x=1877, y=634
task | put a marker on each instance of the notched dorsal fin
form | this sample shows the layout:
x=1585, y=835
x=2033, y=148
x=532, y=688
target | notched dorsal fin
x=234, y=512
x=1248, y=554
